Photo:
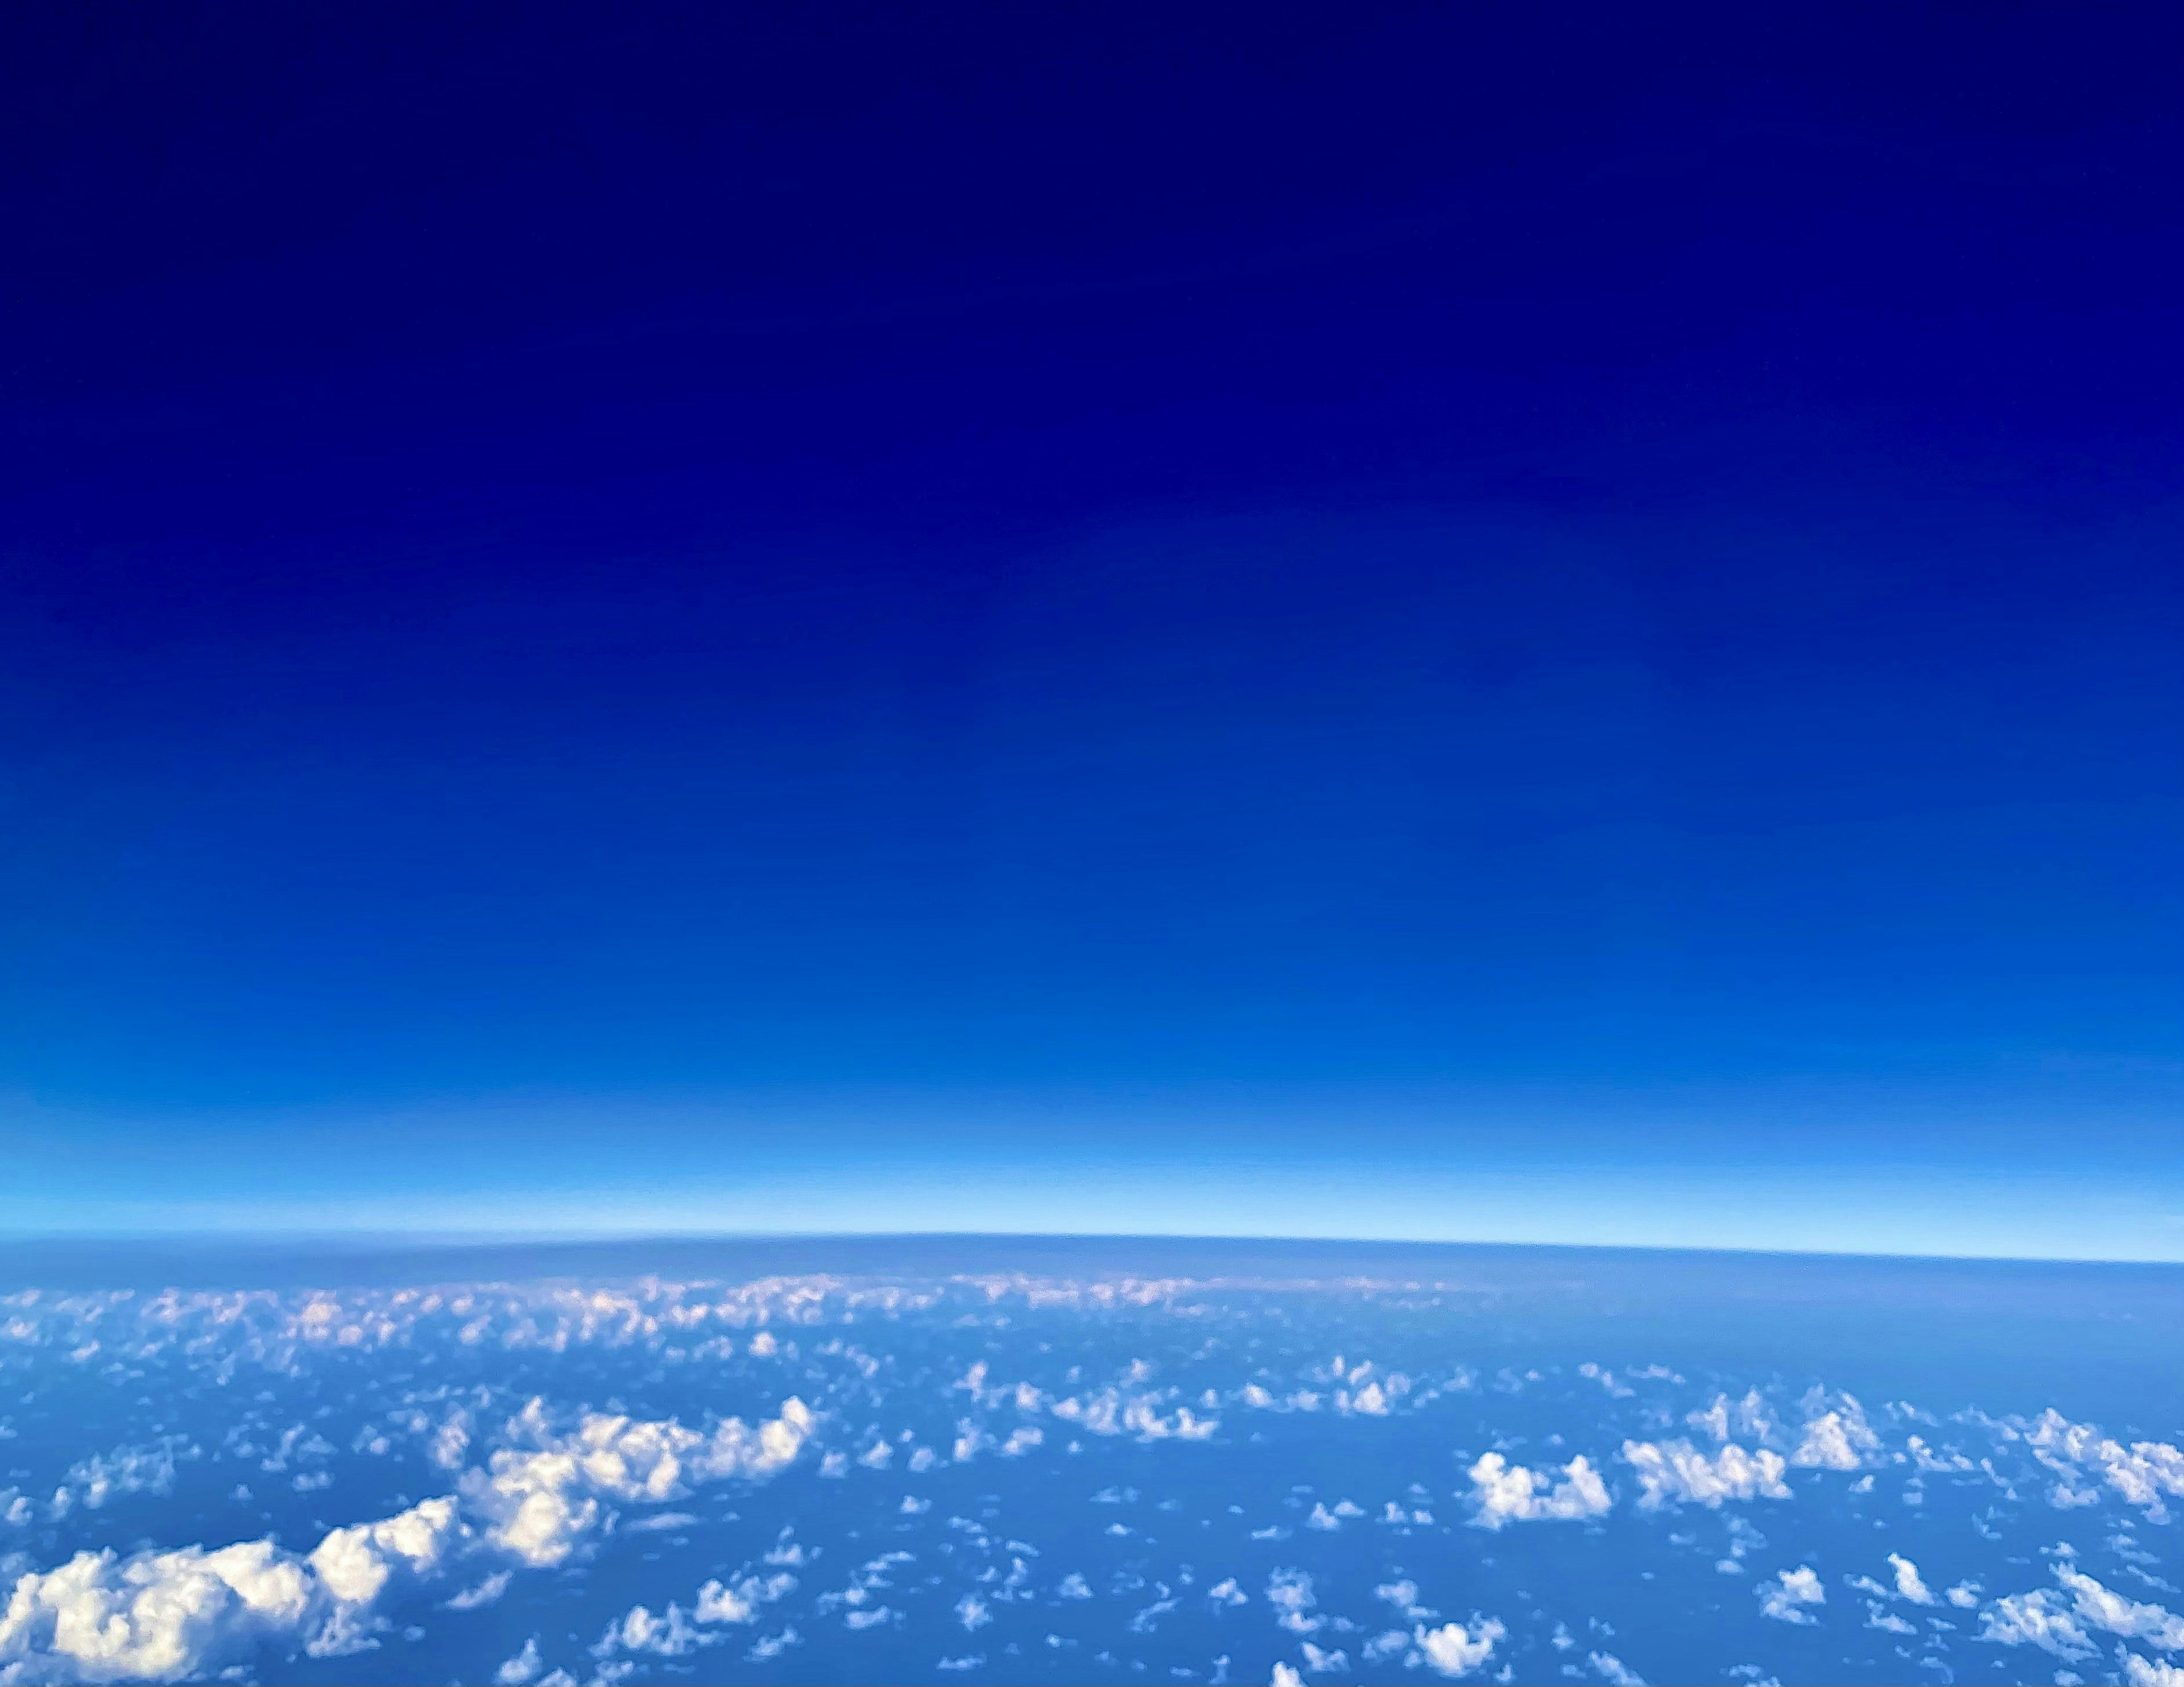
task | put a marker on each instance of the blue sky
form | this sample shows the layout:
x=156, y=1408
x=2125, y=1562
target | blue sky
x=1450, y=624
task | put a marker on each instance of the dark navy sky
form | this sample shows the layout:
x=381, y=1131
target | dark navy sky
x=1492, y=621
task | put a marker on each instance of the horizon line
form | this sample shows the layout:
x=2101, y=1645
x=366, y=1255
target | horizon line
x=353, y=1242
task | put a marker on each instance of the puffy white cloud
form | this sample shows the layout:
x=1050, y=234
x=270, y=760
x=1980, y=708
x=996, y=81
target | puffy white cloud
x=1289, y=1592
x=1612, y=1670
x=540, y=1505
x=1109, y=1413
x=91, y=1482
x=1677, y=1472
x=2035, y=1619
x=356, y=1563
x=521, y=1669
x=638, y=1631
x=720, y=1603
x=1329, y=1663
x=1785, y=1597
x=1504, y=1493
x=1453, y=1649
x=1948, y=1460
x=2104, y=1608
x=2142, y=1671
x=162, y=1616
x=156, y=1616
x=1726, y=1419
x=1908, y=1585
x=2143, y=1474
x=1836, y=1440
x=1285, y=1675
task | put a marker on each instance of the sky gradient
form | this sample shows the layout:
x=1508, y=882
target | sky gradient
x=1499, y=623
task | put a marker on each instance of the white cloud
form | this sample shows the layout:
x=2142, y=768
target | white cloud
x=1454, y=1650
x=485, y=1593
x=1785, y=1598
x=2035, y=1619
x=1504, y=1493
x=162, y=1616
x=539, y=1505
x=1908, y=1582
x=2106, y=1609
x=156, y=1616
x=1677, y=1472
x=720, y=1603
x=1285, y=1675
x=1725, y=1419
x=522, y=1668
x=2141, y=1672
x=1836, y=1440
x=769, y=1646
x=1289, y=1592
x=356, y=1563
x=90, y=1483
x=1612, y=1670
x=2143, y=1474
x=1334, y=1662
x=638, y=1631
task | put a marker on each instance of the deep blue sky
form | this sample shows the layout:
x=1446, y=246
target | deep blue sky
x=1477, y=621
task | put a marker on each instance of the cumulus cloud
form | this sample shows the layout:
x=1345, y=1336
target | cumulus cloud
x=1786, y=1598
x=1726, y=1419
x=2104, y=1608
x=1908, y=1585
x=1109, y=1413
x=1453, y=1649
x=157, y=1616
x=2143, y=1474
x=539, y=1505
x=1676, y=1472
x=1502, y=1493
x=164, y=1616
x=719, y=1602
x=1836, y=1440
x=2036, y=1619
x=1612, y=1670
x=1289, y=1592
x=91, y=1482
x=521, y=1669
